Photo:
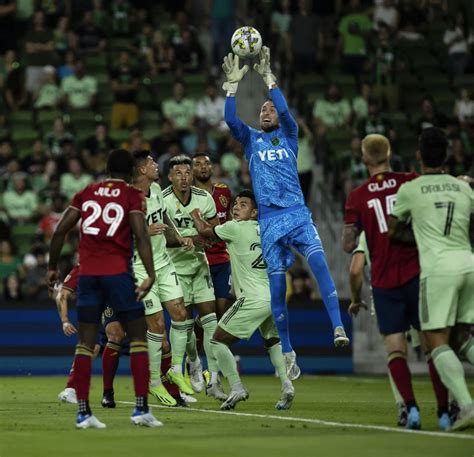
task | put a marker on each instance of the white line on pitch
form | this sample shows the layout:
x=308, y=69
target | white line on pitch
x=379, y=428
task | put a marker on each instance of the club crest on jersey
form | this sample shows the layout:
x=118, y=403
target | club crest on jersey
x=275, y=141
x=108, y=312
x=223, y=200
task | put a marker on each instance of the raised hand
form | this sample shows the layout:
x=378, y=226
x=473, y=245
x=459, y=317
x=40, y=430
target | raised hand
x=263, y=68
x=233, y=73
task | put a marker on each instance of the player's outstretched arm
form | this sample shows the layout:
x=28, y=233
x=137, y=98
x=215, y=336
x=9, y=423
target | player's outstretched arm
x=263, y=68
x=400, y=231
x=68, y=221
x=204, y=228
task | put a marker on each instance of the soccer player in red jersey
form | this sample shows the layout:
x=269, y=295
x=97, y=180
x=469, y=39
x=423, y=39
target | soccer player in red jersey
x=395, y=268
x=110, y=212
x=217, y=255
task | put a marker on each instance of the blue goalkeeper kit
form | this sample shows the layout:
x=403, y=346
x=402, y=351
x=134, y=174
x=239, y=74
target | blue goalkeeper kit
x=284, y=219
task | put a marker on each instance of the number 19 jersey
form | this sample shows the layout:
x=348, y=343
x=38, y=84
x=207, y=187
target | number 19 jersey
x=105, y=247
x=440, y=207
x=368, y=207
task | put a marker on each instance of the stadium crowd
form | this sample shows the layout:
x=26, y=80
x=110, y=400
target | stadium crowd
x=78, y=78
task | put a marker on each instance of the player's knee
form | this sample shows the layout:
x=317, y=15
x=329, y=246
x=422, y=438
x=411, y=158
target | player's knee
x=156, y=323
x=270, y=342
x=114, y=332
x=177, y=311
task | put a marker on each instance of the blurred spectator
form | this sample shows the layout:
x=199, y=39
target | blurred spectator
x=79, y=90
x=54, y=140
x=457, y=39
x=21, y=204
x=434, y=9
x=464, y=109
x=120, y=10
x=167, y=136
x=231, y=161
x=459, y=161
x=54, y=10
x=180, y=23
x=33, y=164
x=210, y=109
x=375, y=123
x=12, y=289
x=125, y=82
x=99, y=15
x=180, y=110
x=8, y=37
x=143, y=43
x=91, y=38
x=280, y=22
x=430, y=116
x=173, y=150
x=386, y=69
x=332, y=112
x=39, y=49
x=12, y=167
x=306, y=40
x=49, y=94
x=9, y=262
x=75, y=179
x=16, y=96
x=67, y=67
x=223, y=25
x=136, y=141
x=96, y=147
x=35, y=286
x=351, y=170
x=411, y=20
x=303, y=293
x=64, y=37
x=306, y=158
x=48, y=181
x=360, y=103
x=162, y=54
x=353, y=30
x=386, y=14
x=54, y=212
x=6, y=154
x=189, y=56
x=200, y=141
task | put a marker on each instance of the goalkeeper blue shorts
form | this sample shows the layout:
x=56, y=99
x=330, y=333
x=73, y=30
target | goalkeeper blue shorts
x=284, y=229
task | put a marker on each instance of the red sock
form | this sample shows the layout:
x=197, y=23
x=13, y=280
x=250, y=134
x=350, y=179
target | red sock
x=199, y=332
x=402, y=377
x=140, y=367
x=71, y=382
x=82, y=370
x=172, y=388
x=441, y=393
x=110, y=362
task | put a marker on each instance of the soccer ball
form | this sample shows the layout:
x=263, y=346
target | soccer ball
x=246, y=42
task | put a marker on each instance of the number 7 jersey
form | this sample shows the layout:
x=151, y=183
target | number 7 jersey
x=106, y=244
x=368, y=207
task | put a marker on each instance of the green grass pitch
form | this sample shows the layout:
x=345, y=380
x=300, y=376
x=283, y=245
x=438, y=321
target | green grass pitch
x=330, y=416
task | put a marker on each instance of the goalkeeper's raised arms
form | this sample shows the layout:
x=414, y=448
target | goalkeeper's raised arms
x=233, y=73
x=263, y=67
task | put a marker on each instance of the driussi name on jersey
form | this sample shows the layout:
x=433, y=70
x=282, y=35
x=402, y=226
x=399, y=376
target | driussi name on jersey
x=440, y=188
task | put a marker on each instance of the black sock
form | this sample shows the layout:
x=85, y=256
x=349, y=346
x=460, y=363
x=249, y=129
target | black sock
x=142, y=404
x=84, y=407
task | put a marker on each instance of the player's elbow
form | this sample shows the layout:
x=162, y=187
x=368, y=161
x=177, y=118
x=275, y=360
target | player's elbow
x=348, y=245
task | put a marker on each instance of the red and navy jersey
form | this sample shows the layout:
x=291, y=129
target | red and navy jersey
x=70, y=281
x=368, y=207
x=105, y=247
x=218, y=254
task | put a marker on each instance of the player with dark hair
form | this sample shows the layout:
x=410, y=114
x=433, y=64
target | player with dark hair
x=441, y=208
x=284, y=219
x=252, y=309
x=111, y=211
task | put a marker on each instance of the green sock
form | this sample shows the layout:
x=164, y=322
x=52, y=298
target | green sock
x=191, y=349
x=395, y=392
x=209, y=325
x=278, y=361
x=178, y=339
x=226, y=362
x=467, y=350
x=155, y=342
x=451, y=373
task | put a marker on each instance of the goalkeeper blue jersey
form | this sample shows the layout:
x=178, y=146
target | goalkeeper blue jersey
x=271, y=156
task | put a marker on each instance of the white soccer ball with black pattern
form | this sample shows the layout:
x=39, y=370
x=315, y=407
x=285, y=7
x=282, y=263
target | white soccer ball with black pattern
x=246, y=42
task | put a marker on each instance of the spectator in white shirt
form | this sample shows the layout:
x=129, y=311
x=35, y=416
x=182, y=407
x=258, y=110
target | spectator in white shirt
x=386, y=13
x=210, y=109
x=457, y=39
x=464, y=109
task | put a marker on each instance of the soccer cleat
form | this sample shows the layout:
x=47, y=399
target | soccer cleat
x=238, y=393
x=180, y=403
x=187, y=398
x=68, y=395
x=444, y=422
x=292, y=369
x=287, y=396
x=108, y=400
x=340, y=337
x=402, y=415
x=162, y=395
x=465, y=418
x=145, y=419
x=88, y=421
x=413, y=419
x=178, y=379
x=214, y=390
x=195, y=375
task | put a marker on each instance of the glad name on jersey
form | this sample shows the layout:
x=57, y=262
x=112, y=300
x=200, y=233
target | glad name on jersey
x=273, y=154
x=154, y=217
x=378, y=186
x=107, y=192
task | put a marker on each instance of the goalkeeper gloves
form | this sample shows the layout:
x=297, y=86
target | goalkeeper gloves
x=233, y=73
x=263, y=68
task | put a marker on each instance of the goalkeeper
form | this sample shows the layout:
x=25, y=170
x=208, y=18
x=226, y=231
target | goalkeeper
x=284, y=219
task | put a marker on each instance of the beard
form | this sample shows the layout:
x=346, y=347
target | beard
x=269, y=129
x=203, y=178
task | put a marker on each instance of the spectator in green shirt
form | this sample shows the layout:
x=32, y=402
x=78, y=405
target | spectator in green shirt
x=75, y=180
x=21, y=204
x=79, y=90
x=332, y=112
x=9, y=262
x=179, y=109
x=49, y=93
